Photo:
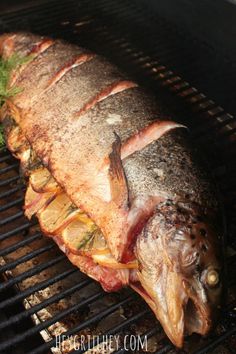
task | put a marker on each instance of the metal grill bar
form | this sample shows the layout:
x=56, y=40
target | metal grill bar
x=18, y=229
x=165, y=349
x=48, y=7
x=9, y=168
x=11, y=218
x=11, y=204
x=111, y=331
x=85, y=324
x=5, y=158
x=31, y=272
x=19, y=317
x=7, y=250
x=39, y=286
x=194, y=92
x=148, y=63
x=216, y=342
x=11, y=191
x=26, y=258
x=159, y=51
x=132, y=13
x=147, y=334
x=11, y=18
x=9, y=180
x=19, y=338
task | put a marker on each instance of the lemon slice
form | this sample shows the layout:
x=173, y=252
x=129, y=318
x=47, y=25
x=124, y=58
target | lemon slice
x=109, y=261
x=29, y=160
x=18, y=145
x=42, y=181
x=16, y=140
x=36, y=201
x=77, y=234
x=98, y=245
x=59, y=213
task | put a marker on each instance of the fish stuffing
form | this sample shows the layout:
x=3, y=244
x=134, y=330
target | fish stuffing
x=114, y=181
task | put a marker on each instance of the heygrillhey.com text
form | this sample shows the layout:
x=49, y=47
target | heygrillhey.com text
x=102, y=343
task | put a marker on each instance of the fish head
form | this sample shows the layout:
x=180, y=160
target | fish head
x=179, y=270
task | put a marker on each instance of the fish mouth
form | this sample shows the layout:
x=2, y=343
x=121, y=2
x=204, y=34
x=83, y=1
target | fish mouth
x=180, y=310
x=196, y=318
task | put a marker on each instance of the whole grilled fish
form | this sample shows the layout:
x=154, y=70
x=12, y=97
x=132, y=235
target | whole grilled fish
x=114, y=180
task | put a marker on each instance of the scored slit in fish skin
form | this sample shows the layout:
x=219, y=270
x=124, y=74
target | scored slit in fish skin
x=61, y=123
x=38, y=69
x=92, y=136
x=127, y=167
x=20, y=43
x=30, y=48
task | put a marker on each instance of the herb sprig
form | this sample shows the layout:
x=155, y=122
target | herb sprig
x=6, y=68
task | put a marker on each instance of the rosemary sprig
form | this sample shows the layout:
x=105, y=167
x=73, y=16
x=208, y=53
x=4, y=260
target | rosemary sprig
x=87, y=237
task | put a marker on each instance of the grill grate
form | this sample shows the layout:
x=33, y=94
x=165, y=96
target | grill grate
x=58, y=298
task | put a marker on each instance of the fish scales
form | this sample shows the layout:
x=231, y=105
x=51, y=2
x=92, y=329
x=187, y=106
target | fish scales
x=58, y=124
x=53, y=116
x=166, y=165
x=19, y=43
x=131, y=169
x=40, y=69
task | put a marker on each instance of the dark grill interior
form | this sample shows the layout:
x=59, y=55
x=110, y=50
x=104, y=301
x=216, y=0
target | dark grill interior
x=40, y=290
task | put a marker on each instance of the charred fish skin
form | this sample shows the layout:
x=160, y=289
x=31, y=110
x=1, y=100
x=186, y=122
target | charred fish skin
x=128, y=167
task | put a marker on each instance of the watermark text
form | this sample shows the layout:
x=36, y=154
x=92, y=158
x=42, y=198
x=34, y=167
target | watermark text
x=108, y=343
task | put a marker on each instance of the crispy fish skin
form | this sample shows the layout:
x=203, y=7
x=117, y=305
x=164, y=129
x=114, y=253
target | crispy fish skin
x=20, y=43
x=174, y=167
x=48, y=61
x=50, y=125
x=127, y=166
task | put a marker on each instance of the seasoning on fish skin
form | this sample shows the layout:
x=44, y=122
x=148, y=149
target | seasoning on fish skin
x=115, y=182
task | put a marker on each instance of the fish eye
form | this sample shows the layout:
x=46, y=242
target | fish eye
x=212, y=278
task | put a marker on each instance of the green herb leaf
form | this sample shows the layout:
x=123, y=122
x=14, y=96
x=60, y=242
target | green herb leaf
x=6, y=67
x=88, y=235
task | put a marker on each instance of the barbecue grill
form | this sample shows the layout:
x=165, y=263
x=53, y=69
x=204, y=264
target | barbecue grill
x=42, y=296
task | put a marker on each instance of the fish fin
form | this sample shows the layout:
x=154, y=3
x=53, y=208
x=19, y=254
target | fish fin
x=141, y=209
x=144, y=137
x=118, y=182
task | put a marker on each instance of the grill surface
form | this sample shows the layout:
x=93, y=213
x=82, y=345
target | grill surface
x=56, y=296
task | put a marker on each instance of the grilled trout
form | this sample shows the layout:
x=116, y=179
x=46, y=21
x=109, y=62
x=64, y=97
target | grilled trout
x=114, y=180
